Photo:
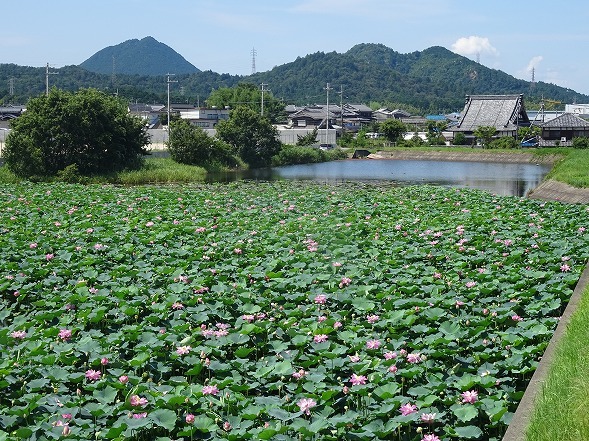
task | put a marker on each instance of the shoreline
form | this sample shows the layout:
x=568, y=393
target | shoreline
x=548, y=190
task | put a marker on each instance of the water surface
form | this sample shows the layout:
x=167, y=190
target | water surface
x=498, y=178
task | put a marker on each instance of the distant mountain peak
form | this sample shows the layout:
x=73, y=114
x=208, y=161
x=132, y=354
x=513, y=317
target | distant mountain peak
x=139, y=57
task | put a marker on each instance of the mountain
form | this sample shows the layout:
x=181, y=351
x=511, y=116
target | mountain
x=434, y=80
x=142, y=57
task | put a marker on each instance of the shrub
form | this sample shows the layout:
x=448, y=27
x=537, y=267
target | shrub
x=505, y=142
x=190, y=145
x=460, y=139
x=87, y=128
x=581, y=142
x=291, y=154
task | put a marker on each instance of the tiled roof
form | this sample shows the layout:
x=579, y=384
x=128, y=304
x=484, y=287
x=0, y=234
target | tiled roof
x=499, y=111
x=567, y=120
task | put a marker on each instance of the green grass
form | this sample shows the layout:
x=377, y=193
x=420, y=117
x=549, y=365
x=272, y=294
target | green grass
x=162, y=171
x=560, y=411
x=573, y=170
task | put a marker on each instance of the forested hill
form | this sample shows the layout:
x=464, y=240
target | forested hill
x=138, y=57
x=429, y=81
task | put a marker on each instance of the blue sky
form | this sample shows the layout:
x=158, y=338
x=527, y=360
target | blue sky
x=219, y=35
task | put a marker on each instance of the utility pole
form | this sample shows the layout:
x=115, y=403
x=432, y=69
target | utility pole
x=47, y=73
x=327, y=116
x=263, y=90
x=341, y=104
x=169, y=81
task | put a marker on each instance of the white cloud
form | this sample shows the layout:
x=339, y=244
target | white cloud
x=474, y=45
x=534, y=62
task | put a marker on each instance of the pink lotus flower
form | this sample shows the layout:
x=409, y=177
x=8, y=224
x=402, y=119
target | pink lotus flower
x=358, y=380
x=408, y=409
x=227, y=426
x=430, y=437
x=33, y=245
x=177, y=305
x=189, y=418
x=565, y=268
x=372, y=318
x=470, y=284
x=470, y=396
x=320, y=338
x=210, y=390
x=428, y=418
x=65, y=334
x=354, y=358
x=93, y=375
x=49, y=256
x=138, y=416
x=124, y=379
x=390, y=355
x=300, y=374
x=136, y=401
x=183, y=350
x=373, y=344
x=104, y=361
x=320, y=299
x=345, y=282
x=19, y=335
x=337, y=325
x=393, y=369
x=414, y=358
x=306, y=404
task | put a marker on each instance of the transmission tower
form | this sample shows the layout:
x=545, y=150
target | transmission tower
x=254, y=53
x=11, y=86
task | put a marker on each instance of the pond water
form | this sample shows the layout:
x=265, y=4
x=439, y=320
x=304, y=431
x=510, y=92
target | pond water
x=498, y=178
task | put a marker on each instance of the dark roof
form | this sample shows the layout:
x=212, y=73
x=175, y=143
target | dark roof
x=499, y=111
x=567, y=120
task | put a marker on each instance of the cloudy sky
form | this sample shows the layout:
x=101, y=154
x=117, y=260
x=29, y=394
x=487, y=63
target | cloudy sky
x=219, y=35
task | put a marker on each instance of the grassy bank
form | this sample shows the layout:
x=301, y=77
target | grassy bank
x=560, y=410
x=573, y=169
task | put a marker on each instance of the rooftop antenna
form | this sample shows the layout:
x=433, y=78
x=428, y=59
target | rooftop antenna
x=254, y=53
x=47, y=73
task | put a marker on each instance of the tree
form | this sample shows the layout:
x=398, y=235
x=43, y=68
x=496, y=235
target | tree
x=248, y=95
x=485, y=134
x=308, y=139
x=251, y=135
x=87, y=129
x=191, y=145
x=393, y=129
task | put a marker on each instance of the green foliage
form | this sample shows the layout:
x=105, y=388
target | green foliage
x=290, y=154
x=528, y=132
x=71, y=175
x=414, y=141
x=393, y=129
x=308, y=139
x=247, y=95
x=191, y=145
x=251, y=135
x=460, y=139
x=432, y=80
x=88, y=128
x=581, y=142
x=485, y=134
x=505, y=142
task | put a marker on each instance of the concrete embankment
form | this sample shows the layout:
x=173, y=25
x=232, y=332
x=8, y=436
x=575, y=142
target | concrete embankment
x=474, y=156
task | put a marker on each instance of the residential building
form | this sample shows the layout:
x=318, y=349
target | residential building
x=563, y=129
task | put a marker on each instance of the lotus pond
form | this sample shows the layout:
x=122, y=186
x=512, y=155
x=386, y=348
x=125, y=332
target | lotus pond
x=276, y=311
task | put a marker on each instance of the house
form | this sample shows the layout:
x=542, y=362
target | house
x=384, y=113
x=314, y=116
x=504, y=112
x=562, y=129
x=148, y=112
x=205, y=118
x=10, y=112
